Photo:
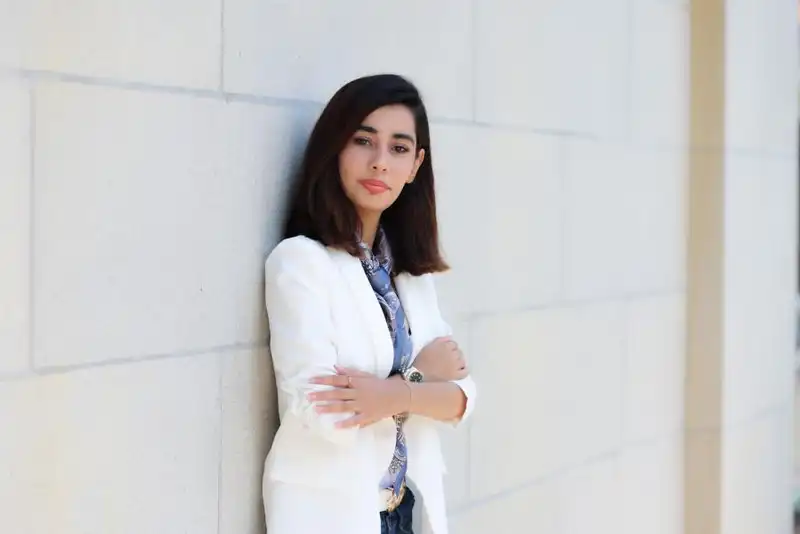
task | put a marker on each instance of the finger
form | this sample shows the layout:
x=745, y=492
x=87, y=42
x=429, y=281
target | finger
x=350, y=371
x=337, y=407
x=338, y=394
x=451, y=345
x=356, y=421
x=368, y=421
x=338, y=381
x=453, y=357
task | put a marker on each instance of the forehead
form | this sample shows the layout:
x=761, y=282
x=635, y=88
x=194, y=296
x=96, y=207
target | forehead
x=392, y=119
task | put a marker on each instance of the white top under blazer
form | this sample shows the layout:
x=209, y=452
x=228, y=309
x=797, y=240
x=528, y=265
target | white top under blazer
x=323, y=312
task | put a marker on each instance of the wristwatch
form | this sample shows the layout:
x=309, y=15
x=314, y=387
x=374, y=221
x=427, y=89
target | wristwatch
x=412, y=374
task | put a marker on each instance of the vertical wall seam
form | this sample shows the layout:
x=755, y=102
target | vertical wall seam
x=473, y=48
x=222, y=46
x=628, y=135
x=31, y=224
x=220, y=442
x=561, y=164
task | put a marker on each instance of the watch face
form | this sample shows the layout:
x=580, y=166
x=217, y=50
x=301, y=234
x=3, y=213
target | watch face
x=415, y=376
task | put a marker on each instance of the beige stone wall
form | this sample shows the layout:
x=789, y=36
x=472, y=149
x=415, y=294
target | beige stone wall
x=144, y=155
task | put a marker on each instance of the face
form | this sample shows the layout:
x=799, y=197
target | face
x=380, y=159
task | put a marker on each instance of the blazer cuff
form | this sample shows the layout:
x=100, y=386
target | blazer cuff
x=323, y=425
x=467, y=386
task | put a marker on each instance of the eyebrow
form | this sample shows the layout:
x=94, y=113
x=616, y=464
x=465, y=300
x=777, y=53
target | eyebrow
x=399, y=135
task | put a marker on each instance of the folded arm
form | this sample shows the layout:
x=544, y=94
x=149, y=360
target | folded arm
x=440, y=395
x=301, y=332
x=442, y=401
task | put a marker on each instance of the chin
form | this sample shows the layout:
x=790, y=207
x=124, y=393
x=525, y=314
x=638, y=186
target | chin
x=374, y=205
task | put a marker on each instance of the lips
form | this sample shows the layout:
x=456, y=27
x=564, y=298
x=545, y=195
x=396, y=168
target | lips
x=375, y=187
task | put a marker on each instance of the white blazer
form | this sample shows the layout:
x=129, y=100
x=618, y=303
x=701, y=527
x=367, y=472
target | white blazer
x=322, y=311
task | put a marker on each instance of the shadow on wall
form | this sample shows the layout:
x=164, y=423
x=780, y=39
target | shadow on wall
x=275, y=210
x=256, y=387
x=275, y=205
x=274, y=216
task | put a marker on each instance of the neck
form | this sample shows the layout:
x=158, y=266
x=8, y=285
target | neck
x=369, y=227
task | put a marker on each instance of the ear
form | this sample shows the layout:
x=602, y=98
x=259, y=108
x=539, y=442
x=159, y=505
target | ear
x=417, y=164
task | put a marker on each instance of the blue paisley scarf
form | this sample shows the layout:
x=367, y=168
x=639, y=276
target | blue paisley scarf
x=377, y=265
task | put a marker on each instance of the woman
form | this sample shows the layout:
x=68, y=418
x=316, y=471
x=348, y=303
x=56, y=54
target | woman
x=363, y=360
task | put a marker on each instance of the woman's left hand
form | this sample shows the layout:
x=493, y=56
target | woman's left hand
x=368, y=397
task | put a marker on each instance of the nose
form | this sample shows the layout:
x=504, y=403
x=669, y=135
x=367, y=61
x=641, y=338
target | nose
x=379, y=162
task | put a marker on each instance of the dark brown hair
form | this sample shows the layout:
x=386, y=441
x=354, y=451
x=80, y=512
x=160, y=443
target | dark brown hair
x=319, y=208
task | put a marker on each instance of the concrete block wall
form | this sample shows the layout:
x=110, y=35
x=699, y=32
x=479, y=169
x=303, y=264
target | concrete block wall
x=145, y=149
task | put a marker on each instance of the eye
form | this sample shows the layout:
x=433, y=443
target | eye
x=401, y=149
x=363, y=141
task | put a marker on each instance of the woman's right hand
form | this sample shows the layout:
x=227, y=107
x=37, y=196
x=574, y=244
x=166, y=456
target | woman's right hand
x=441, y=360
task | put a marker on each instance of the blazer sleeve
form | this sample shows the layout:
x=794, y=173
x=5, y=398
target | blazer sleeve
x=302, y=340
x=467, y=384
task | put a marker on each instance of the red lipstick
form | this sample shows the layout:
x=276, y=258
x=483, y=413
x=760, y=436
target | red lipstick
x=375, y=187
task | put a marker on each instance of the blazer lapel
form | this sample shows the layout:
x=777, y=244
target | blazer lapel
x=368, y=306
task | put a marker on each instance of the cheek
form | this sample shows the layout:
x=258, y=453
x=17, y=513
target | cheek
x=351, y=165
x=345, y=163
x=351, y=170
x=401, y=171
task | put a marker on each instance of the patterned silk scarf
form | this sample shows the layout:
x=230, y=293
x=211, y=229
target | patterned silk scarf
x=377, y=265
